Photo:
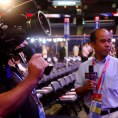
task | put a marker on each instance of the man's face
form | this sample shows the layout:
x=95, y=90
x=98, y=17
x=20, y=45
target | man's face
x=102, y=46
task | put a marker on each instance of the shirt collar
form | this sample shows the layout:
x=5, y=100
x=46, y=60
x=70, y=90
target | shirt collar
x=103, y=61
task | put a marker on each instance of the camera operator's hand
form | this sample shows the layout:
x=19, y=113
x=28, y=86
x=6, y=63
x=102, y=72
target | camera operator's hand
x=16, y=97
x=36, y=67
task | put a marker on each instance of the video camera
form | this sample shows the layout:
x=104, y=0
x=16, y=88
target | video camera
x=11, y=36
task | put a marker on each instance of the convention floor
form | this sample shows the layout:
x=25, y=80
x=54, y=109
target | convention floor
x=56, y=111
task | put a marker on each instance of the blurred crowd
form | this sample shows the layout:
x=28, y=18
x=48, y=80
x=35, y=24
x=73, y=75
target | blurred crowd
x=78, y=52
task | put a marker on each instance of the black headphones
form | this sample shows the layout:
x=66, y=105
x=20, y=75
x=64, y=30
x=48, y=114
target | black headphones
x=11, y=37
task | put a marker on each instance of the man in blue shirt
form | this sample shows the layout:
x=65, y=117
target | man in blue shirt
x=107, y=72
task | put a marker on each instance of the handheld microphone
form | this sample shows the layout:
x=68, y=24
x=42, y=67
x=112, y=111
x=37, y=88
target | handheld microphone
x=92, y=74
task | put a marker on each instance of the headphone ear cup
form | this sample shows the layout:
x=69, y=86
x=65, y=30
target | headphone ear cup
x=12, y=37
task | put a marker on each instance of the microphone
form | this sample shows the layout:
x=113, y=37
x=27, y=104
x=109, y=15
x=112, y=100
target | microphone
x=92, y=74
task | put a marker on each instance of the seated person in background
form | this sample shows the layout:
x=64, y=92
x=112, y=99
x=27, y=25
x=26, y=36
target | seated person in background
x=100, y=92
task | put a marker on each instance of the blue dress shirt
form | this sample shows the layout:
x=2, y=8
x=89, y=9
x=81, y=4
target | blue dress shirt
x=109, y=87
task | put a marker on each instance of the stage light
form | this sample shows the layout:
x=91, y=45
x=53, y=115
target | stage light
x=5, y=1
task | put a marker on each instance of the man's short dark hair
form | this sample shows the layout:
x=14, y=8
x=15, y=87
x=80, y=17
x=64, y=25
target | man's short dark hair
x=93, y=36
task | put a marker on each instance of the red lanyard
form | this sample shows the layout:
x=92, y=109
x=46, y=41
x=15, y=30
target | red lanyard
x=100, y=78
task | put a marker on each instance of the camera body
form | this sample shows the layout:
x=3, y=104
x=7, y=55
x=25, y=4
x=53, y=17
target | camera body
x=13, y=36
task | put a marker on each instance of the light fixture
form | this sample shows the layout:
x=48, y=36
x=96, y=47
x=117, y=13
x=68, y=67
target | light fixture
x=66, y=2
x=5, y=2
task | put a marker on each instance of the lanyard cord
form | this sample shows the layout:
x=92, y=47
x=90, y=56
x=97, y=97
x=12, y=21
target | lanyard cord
x=101, y=76
x=34, y=95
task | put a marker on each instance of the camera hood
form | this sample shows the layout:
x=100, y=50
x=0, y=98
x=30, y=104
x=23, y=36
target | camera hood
x=38, y=25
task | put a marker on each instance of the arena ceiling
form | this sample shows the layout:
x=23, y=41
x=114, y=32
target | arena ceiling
x=87, y=7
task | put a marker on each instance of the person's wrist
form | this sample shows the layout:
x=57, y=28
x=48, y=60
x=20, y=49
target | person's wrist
x=33, y=80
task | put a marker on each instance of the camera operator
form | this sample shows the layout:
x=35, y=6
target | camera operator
x=13, y=98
